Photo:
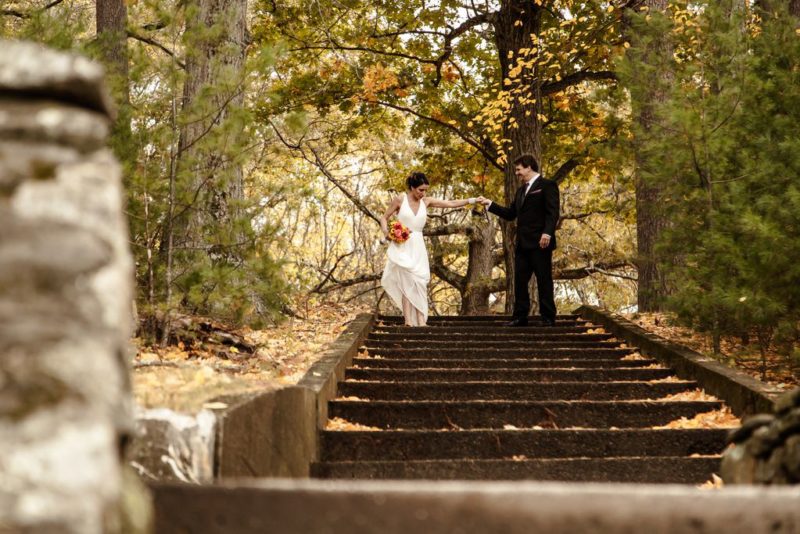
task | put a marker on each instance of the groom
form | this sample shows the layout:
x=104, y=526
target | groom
x=535, y=207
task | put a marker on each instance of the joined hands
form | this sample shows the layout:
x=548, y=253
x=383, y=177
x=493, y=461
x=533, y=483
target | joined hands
x=484, y=201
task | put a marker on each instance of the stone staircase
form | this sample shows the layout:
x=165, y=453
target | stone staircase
x=468, y=398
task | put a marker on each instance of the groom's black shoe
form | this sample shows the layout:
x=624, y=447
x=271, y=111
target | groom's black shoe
x=517, y=322
x=547, y=322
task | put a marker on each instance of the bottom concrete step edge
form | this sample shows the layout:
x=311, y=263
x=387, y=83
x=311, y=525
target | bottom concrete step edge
x=653, y=470
x=398, y=507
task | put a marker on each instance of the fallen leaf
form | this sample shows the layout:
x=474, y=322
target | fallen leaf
x=692, y=395
x=714, y=484
x=722, y=418
x=633, y=356
x=339, y=424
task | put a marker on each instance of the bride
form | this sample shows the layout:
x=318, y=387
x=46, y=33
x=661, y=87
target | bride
x=407, y=271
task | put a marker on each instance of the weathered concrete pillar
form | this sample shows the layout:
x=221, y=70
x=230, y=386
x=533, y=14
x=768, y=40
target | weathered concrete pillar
x=65, y=298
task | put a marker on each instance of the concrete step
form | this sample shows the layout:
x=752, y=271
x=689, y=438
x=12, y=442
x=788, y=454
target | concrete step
x=477, y=318
x=519, y=363
x=489, y=321
x=469, y=398
x=481, y=329
x=483, y=324
x=665, y=470
x=454, y=343
x=385, y=445
x=496, y=414
x=303, y=506
x=492, y=353
x=475, y=336
x=509, y=375
x=512, y=390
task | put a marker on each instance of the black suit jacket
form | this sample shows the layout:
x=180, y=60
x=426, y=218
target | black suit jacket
x=536, y=214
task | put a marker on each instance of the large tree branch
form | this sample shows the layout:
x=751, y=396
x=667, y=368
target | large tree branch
x=575, y=78
x=341, y=284
x=576, y=273
x=447, y=51
x=442, y=271
x=451, y=277
x=317, y=162
x=579, y=216
x=355, y=200
x=329, y=274
x=592, y=268
x=152, y=42
x=27, y=15
x=567, y=167
x=575, y=161
x=336, y=46
x=492, y=158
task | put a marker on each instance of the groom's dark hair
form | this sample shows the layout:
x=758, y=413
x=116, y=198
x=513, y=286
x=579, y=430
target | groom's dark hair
x=416, y=179
x=527, y=160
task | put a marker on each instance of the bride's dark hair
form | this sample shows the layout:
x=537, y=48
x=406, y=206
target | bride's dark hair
x=416, y=179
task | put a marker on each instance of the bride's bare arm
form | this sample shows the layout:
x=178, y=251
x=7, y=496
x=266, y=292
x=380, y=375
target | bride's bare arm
x=394, y=207
x=437, y=203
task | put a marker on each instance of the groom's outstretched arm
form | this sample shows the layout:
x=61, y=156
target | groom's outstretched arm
x=508, y=214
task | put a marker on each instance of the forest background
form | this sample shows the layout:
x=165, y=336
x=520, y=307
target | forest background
x=262, y=139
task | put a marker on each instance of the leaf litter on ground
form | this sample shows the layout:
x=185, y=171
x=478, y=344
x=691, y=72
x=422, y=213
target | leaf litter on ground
x=745, y=357
x=207, y=359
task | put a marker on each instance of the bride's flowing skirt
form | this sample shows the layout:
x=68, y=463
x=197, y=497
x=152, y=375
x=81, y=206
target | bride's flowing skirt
x=407, y=274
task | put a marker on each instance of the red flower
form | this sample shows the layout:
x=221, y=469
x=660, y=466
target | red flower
x=398, y=233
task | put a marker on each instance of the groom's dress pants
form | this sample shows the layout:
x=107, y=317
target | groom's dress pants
x=539, y=262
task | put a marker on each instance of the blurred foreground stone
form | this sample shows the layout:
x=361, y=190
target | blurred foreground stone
x=65, y=302
x=766, y=449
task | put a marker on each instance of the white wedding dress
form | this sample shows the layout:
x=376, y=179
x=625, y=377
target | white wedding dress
x=407, y=271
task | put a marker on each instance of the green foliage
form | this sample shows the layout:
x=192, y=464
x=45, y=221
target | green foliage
x=724, y=148
x=434, y=73
x=199, y=246
x=61, y=26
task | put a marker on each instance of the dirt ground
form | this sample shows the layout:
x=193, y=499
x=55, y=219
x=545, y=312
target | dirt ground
x=781, y=371
x=209, y=359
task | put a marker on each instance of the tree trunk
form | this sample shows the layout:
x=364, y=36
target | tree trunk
x=767, y=5
x=111, y=17
x=475, y=296
x=649, y=222
x=210, y=176
x=516, y=21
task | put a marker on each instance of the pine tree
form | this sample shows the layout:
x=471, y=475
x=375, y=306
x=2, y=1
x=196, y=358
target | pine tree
x=725, y=155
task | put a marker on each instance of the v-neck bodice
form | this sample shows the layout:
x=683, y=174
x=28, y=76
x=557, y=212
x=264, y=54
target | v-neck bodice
x=415, y=222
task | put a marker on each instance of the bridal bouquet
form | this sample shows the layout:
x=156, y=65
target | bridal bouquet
x=398, y=232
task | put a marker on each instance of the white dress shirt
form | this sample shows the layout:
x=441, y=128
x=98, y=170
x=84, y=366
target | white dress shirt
x=530, y=183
